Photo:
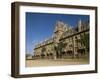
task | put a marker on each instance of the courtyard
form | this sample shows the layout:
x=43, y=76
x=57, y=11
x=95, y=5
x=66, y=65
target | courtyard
x=57, y=62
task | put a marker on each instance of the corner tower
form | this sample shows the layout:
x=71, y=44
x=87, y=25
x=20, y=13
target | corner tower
x=59, y=30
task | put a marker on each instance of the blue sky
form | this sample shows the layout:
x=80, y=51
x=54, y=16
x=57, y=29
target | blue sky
x=40, y=26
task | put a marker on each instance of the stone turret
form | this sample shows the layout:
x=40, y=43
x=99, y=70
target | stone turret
x=59, y=30
x=59, y=26
x=79, y=25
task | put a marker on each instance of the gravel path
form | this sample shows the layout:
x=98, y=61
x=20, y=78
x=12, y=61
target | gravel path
x=58, y=62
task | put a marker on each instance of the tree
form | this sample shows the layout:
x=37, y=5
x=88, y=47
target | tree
x=85, y=41
x=43, y=50
x=61, y=46
x=58, y=47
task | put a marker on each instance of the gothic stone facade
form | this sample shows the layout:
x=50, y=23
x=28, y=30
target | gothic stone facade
x=65, y=41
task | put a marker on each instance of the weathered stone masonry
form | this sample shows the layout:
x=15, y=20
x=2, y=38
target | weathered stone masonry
x=64, y=42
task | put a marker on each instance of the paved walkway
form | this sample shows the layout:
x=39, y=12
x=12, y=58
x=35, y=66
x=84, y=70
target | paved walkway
x=51, y=62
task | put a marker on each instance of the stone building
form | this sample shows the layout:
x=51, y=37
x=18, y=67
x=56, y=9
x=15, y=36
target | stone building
x=66, y=42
